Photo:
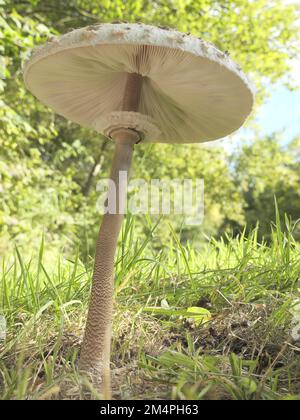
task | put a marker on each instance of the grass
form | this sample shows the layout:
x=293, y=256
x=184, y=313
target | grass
x=238, y=347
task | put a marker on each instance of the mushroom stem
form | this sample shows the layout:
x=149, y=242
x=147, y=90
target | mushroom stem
x=131, y=98
x=95, y=351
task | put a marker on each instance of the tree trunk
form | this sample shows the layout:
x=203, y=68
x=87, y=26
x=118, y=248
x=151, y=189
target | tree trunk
x=87, y=186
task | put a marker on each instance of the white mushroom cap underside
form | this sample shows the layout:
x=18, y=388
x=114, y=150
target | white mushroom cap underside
x=191, y=91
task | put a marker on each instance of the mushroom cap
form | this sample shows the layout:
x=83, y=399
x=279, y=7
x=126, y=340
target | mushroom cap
x=191, y=92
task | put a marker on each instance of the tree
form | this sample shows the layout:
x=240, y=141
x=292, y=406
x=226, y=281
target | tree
x=266, y=169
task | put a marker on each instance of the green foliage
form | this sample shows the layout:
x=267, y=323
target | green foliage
x=223, y=201
x=39, y=179
x=49, y=167
x=266, y=169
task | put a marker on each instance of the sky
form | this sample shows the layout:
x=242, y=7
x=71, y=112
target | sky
x=281, y=111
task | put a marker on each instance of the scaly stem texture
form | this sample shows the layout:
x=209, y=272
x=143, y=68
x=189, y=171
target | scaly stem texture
x=95, y=351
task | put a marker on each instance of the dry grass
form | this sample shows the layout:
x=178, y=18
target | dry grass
x=242, y=329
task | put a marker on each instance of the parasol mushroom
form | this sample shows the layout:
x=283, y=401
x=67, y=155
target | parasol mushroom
x=134, y=83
